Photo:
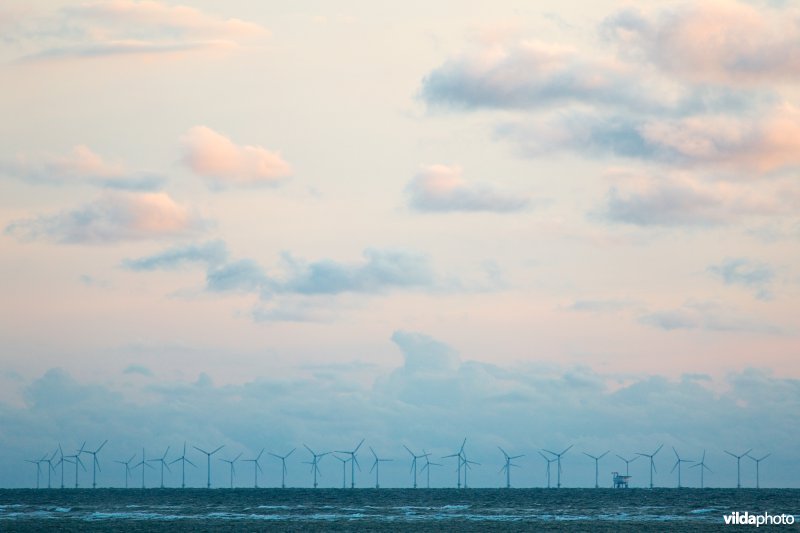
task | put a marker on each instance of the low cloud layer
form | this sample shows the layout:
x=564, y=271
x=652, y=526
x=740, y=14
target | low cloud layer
x=440, y=188
x=112, y=218
x=522, y=408
x=213, y=156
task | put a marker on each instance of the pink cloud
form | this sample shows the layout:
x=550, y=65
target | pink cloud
x=717, y=42
x=114, y=217
x=214, y=156
x=762, y=144
x=441, y=188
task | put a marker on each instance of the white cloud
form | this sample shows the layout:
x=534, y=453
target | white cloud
x=214, y=156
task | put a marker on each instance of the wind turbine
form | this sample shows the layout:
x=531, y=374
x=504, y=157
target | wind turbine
x=38, y=463
x=233, y=468
x=414, y=462
x=163, y=462
x=627, y=463
x=758, y=461
x=256, y=466
x=344, y=470
x=596, y=469
x=508, y=465
x=143, y=463
x=678, y=465
x=558, y=457
x=738, y=460
x=95, y=462
x=460, y=455
x=127, y=468
x=283, y=463
x=548, y=466
x=467, y=466
x=427, y=467
x=61, y=462
x=353, y=464
x=77, y=459
x=183, y=461
x=208, y=462
x=315, y=463
x=376, y=467
x=49, y=461
x=652, y=462
x=702, y=465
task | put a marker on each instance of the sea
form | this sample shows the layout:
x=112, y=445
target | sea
x=566, y=509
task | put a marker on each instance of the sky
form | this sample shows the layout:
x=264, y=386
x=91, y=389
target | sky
x=533, y=225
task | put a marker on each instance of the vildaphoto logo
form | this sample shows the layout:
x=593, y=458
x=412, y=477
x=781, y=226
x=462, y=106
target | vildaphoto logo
x=764, y=519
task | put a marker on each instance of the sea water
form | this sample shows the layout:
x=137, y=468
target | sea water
x=134, y=510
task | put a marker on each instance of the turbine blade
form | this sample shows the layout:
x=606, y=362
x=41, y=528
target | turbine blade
x=101, y=446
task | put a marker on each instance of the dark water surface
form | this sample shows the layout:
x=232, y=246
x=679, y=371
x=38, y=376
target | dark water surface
x=133, y=510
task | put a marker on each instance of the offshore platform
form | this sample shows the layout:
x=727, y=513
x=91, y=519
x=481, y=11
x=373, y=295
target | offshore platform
x=620, y=481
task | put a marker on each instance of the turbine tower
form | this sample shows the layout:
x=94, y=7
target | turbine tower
x=344, y=470
x=376, y=467
x=678, y=465
x=208, y=463
x=558, y=457
x=702, y=465
x=163, y=462
x=353, y=464
x=548, y=466
x=596, y=468
x=627, y=463
x=143, y=463
x=758, y=461
x=95, y=462
x=315, y=463
x=414, y=458
x=508, y=464
x=427, y=467
x=232, y=462
x=183, y=461
x=652, y=462
x=127, y=468
x=738, y=461
x=467, y=466
x=256, y=466
x=283, y=463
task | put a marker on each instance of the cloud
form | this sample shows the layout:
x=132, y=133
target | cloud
x=114, y=217
x=146, y=28
x=138, y=369
x=759, y=142
x=82, y=166
x=740, y=271
x=440, y=188
x=681, y=200
x=533, y=75
x=713, y=42
x=244, y=275
x=707, y=316
x=210, y=253
x=214, y=156
x=423, y=353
